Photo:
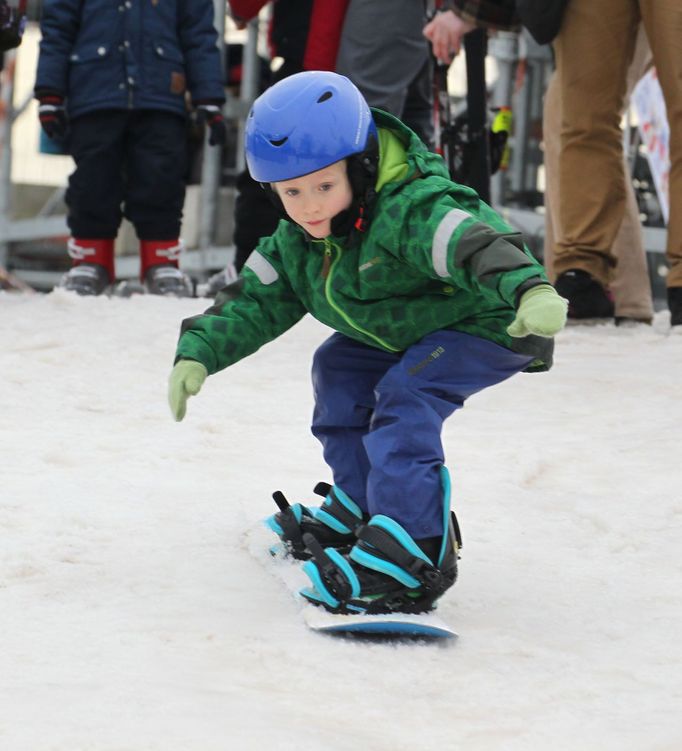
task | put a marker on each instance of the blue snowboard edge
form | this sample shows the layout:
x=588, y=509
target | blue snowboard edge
x=427, y=625
x=401, y=629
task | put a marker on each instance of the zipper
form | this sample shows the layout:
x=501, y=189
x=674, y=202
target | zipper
x=326, y=261
x=328, y=264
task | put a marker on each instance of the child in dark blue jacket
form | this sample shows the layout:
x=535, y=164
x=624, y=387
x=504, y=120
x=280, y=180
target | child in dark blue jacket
x=111, y=82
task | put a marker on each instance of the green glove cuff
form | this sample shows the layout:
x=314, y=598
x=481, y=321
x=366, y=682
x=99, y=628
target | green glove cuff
x=540, y=290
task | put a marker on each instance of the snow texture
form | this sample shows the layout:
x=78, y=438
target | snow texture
x=136, y=614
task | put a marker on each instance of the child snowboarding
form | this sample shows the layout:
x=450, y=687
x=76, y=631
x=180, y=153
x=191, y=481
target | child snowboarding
x=432, y=298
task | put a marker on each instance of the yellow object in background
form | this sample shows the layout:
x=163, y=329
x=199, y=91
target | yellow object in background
x=502, y=122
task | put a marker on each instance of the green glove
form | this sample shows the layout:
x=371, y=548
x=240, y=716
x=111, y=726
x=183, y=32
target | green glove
x=541, y=311
x=186, y=379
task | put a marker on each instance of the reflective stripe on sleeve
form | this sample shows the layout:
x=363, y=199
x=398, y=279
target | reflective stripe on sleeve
x=441, y=239
x=262, y=268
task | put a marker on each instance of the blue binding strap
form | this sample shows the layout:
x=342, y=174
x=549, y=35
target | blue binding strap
x=364, y=557
x=336, y=495
x=272, y=523
x=445, y=480
x=320, y=590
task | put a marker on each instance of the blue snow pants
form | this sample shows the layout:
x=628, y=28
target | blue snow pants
x=379, y=417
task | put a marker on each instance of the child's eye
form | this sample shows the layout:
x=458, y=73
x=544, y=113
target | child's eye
x=291, y=192
x=326, y=186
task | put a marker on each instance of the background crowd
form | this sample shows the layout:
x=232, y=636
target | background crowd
x=116, y=84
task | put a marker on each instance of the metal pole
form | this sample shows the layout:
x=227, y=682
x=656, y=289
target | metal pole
x=249, y=85
x=504, y=48
x=521, y=108
x=6, y=98
x=475, y=44
x=211, y=164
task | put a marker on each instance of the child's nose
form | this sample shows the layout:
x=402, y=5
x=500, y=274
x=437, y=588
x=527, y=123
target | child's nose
x=312, y=206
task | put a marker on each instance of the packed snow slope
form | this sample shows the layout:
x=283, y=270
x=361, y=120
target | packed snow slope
x=138, y=611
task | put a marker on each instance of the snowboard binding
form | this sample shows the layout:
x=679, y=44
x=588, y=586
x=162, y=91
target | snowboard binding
x=386, y=571
x=331, y=525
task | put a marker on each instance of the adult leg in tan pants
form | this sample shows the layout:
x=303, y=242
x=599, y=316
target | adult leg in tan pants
x=631, y=286
x=594, y=51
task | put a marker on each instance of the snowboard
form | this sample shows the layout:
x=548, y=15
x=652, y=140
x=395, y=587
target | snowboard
x=390, y=626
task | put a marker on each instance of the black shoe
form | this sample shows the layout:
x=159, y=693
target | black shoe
x=675, y=305
x=168, y=280
x=586, y=297
x=86, y=279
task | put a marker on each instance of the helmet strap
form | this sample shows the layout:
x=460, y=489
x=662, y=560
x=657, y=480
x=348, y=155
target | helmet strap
x=362, y=175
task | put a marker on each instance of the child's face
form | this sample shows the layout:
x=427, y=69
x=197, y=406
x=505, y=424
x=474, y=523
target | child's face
x=312, y=201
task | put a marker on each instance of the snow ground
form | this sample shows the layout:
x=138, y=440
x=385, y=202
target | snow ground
x=135, y=616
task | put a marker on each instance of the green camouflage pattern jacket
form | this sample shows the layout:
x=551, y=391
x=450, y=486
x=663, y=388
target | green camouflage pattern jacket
x=434, y=256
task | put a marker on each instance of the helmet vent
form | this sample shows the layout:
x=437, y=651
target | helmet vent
x=280, y=142
x=324, y=97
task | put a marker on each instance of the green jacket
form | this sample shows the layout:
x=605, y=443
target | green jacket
x=433, y=257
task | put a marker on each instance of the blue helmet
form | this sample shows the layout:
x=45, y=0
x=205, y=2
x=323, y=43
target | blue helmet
x=304, y=123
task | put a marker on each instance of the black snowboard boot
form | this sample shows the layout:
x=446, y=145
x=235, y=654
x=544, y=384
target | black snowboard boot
x=386, y=571
x=586, y=297
x=675, y=305
x=333, y=524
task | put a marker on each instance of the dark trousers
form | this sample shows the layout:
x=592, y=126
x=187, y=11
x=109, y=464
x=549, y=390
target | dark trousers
x=379, y=417
x=130, y=164
x=384, y=53
x=255, y=216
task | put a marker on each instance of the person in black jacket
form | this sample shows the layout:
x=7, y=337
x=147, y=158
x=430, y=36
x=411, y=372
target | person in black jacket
x=111, y=82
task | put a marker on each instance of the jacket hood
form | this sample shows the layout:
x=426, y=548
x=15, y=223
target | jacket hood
x=402, y=154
